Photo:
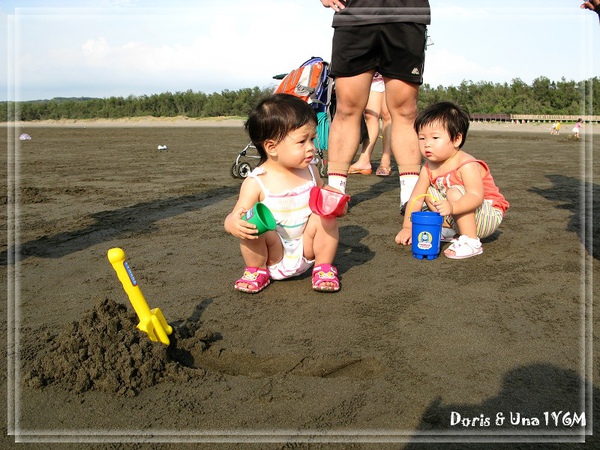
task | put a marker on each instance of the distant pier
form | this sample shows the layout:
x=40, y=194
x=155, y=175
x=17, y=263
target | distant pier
x=527, y=118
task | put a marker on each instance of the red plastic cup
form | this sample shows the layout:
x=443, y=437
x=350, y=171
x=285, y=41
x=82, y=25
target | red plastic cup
x=326, y=203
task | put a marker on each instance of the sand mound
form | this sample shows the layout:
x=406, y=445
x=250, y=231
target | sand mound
x=105, y=351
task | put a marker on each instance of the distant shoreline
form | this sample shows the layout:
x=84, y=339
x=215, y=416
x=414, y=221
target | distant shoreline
x=147, y=121
x=237, y=122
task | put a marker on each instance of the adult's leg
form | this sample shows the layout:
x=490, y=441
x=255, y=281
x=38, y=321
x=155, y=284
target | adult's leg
x=401, y=98
x=386, y=131
x=372, y=113
x=352, y=94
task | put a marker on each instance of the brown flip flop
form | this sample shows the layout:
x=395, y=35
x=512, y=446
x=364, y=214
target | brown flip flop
x=353, y=170
x=383, y=171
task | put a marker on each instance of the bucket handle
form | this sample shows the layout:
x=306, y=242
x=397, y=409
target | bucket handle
x=409, y=211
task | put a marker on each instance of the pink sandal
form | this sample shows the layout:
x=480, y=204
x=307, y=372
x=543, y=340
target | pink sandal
x=255, y=278
x=325, y=273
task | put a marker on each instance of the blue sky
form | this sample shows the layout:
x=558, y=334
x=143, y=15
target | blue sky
x=103, y=48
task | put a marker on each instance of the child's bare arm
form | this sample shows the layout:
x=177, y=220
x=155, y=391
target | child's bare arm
x=234, y=224
x=404, y=236
x=416, y=205
x=473, y=198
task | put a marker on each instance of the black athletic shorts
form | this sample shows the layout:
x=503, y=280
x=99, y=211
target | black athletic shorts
x=396, y=50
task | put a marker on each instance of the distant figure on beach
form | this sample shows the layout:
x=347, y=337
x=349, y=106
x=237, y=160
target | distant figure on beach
x=576, y=129
x=283, y=127
x=593, y=5
x=555, y=129
x=462, y=187
x=376, y=109
x=389, y=37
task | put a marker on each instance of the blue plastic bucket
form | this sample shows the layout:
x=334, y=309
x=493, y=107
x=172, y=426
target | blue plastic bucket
x=426, y=234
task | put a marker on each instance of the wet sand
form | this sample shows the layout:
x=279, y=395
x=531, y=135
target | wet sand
x=390, y=361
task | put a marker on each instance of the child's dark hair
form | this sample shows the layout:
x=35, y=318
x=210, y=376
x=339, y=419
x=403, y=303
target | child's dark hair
x=275, y=117
x=452, y=117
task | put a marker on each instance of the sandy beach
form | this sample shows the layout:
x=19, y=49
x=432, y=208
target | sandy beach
x=235, y=122
x=493, y=352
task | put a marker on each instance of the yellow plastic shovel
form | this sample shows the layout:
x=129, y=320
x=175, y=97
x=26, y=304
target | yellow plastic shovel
x=152, y=322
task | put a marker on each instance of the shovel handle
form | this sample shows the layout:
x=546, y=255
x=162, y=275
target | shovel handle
x=116, y=256
x=153, y=322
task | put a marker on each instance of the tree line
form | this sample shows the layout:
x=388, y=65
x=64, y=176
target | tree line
x=189, y=103
x=542, y=96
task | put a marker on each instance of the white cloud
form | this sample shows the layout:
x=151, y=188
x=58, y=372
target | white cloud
x=209, y=48
x=95, y=50
x=443, y=67
x=133, y=47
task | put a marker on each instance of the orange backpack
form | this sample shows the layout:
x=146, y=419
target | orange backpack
x=308, y=82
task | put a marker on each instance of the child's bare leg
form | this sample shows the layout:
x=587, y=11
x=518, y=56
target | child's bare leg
x=464, y=222
x=262, y=252
x=321, y=239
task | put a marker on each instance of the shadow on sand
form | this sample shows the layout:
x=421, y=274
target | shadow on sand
x=111, y=224
x=138, y=218
x=583, y=200
x=528, y=394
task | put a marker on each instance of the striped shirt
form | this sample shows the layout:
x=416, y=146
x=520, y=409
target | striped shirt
x=290, y=208
x=369, y=12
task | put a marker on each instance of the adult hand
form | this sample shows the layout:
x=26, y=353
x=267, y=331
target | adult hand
x=336, y=5
x=593, y=5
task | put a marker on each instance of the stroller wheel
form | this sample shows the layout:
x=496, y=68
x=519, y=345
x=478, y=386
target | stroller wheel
x=234, y=170
x=244, y=169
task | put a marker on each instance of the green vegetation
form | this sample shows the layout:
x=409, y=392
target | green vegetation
x=188, y=103
x=543, y=96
